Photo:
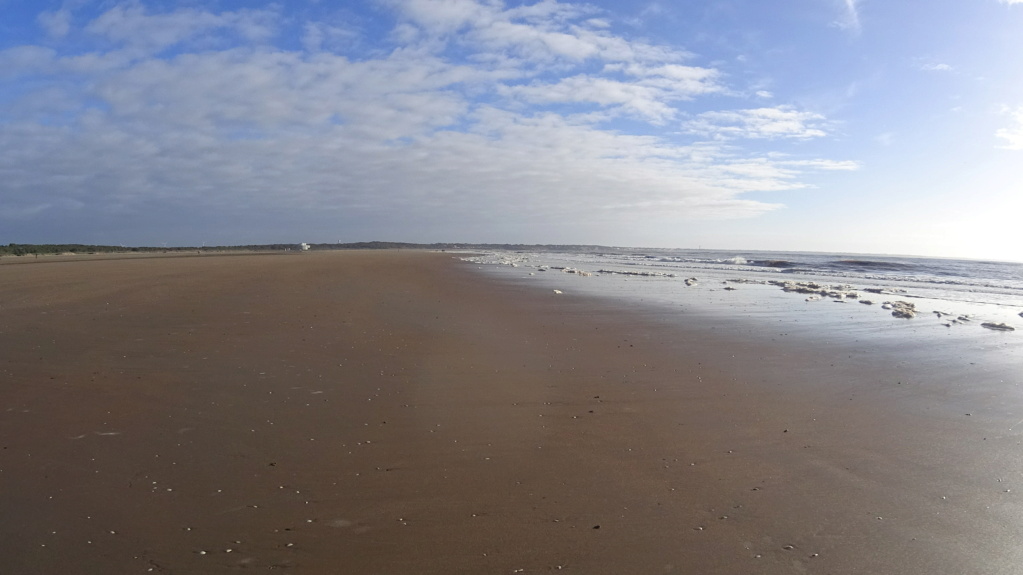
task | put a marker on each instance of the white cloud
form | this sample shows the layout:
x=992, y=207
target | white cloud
x=634, y=99
x=1010, y=2
x=540, y=33
x=442, y=16
x=26, y=60
x=416, y=133
x=1013, y=135
x=133, y=27
x=829, y=165
x=56, y=23
x=648, y=97
x=759, y=123
x=931, y=65
x=850, y=19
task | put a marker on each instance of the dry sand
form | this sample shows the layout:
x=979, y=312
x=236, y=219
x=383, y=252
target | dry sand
x=394, y=412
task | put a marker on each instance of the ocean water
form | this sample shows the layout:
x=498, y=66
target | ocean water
x=958, y=298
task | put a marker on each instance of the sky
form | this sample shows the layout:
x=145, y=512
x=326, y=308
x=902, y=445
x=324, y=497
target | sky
x=852, y=126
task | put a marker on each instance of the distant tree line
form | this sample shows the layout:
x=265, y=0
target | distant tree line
x=57, y=249
x=48, y=249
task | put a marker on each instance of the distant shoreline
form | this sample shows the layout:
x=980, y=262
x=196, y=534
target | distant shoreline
x=34, y=250
x=90, y=249
x=125, y=255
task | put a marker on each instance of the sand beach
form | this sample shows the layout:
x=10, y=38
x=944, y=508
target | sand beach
x=400, y=412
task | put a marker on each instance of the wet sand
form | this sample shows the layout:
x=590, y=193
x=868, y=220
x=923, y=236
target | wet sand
x=396, y=412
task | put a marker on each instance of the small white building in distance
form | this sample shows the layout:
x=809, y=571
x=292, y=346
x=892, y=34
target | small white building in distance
x=305, y=246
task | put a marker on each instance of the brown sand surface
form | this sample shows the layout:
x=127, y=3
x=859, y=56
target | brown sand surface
x=395, y=412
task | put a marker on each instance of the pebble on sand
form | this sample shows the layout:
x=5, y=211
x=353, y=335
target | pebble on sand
x=998, y=326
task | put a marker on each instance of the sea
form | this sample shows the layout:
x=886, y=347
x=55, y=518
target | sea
x=859, y=295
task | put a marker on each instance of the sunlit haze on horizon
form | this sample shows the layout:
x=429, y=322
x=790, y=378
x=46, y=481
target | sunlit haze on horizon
x=855, y=126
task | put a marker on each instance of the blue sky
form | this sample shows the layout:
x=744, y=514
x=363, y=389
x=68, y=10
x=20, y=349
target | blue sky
x=855, y=126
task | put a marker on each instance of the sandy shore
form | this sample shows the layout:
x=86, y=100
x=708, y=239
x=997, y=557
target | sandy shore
x=395, y=412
